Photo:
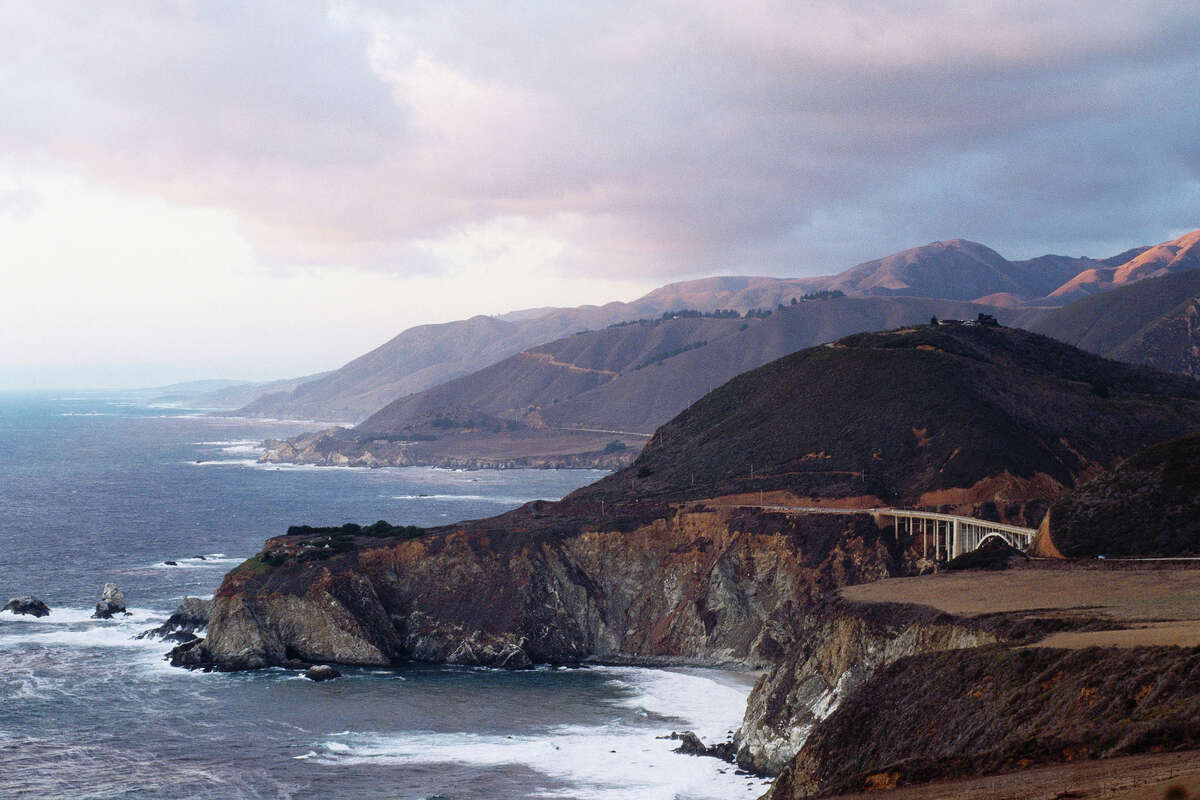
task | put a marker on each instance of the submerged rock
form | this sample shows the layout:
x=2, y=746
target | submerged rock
x=478, y=651
x=27, y=605
x=321, y=672
x=112, y=601
x=691, y=745
x=185, y=624
x=191, y=654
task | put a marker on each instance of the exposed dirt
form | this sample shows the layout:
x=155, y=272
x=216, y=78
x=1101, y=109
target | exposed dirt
x=1141, y=777
x=1142, y=597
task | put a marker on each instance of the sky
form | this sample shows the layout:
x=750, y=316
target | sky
x=200, y=188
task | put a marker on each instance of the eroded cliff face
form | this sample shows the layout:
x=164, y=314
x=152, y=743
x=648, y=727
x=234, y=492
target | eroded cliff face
x=836, y=651
x=996, y=709
x=715, y=587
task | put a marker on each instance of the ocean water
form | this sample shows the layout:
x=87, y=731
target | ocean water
x=95, y=489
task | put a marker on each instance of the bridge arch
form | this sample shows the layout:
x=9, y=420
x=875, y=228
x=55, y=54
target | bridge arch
x=997, y=535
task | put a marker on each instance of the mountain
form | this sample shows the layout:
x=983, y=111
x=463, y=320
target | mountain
x=923, y=416
x=956, y=269
x=1176, y=255
x=428, y=355
x=558, y=399
x=1149, y=506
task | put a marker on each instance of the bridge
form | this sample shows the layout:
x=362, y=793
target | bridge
x=939, y=536
x=946, y=536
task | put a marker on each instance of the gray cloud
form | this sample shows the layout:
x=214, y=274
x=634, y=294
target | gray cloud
x=661, y=138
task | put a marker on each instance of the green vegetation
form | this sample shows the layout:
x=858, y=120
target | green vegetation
x=471, y=422
x=823, y=294
x=614, y=447
x=380, y=530
x=257, y=565
x=658, y=358
x=691, y=313
x=392, y=438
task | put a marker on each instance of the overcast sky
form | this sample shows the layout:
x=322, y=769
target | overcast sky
x=254, y=189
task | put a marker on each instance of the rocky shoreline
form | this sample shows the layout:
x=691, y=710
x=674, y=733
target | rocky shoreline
x=334, y=448
x=734, y=588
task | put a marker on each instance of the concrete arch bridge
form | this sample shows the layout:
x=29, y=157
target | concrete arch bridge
x=940, y=537
x=945, y=536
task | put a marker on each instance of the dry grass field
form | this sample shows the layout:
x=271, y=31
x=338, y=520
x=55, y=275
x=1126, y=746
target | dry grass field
x=1150, y=603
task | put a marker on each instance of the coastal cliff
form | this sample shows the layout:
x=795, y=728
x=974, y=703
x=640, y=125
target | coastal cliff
x=994, y=709
x=833, y=654
x=715, y=587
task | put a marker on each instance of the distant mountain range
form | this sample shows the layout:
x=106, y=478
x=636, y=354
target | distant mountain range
x=427, y=356
x=626, y=379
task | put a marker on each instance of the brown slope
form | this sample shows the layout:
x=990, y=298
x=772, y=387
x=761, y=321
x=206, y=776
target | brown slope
x=1176, y=255
x=957, y=269
x=628, y=378
x=915, y=417
x=1154, y=322
x=542, y=376
x=427, y=355
x=642, y=400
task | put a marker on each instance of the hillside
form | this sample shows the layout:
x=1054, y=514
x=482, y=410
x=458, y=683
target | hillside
x=630, y=379
x=1154, y=322
x=957, y=269
x=1149, y=506
x=1170, y=257
x=428, y=355
x=914, y=417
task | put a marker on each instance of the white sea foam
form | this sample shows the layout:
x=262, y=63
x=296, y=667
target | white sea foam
x=234, y=447
x=475, y=498
x=601, y=762
x=709, y=706
x=196, y=562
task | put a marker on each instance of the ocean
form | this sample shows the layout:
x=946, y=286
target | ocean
x=97, y=488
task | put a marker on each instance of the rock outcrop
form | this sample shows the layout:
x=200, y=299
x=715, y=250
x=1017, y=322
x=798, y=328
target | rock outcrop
x=186, y=624
x=714, y=587
x=112, y=601
x=995, y=709
x=836, y=651
x=31, y=606
x=321, y=672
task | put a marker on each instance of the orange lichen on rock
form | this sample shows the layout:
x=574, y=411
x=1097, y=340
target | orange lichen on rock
x=882, y=781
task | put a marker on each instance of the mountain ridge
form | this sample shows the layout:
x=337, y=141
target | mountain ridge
x=427, y=355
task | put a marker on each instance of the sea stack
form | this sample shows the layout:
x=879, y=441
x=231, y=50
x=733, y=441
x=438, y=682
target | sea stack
x=112, y=601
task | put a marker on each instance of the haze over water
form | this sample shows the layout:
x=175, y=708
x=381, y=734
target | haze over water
x=93, y=489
